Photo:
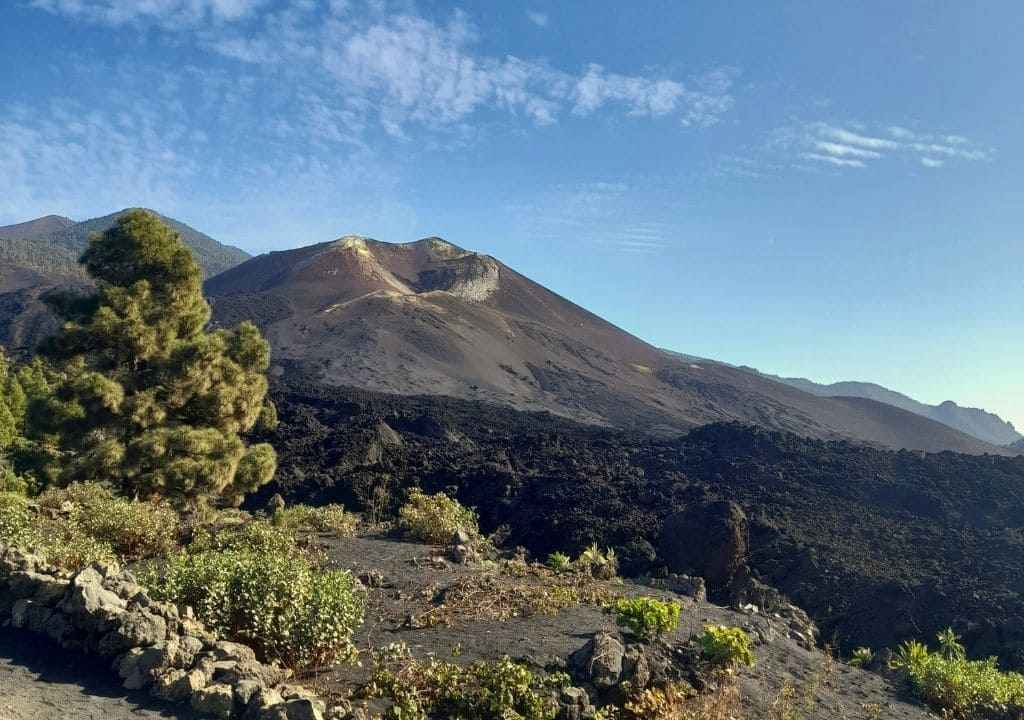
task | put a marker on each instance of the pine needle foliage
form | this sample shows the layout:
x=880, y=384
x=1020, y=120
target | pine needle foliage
x=148, y=399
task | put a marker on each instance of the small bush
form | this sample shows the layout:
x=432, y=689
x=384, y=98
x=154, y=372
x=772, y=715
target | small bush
x=255, y=585
x=16, y=520
x=59, y=535
x=135, y=530
x=726, y=646
x=435, y=518
x=861, y=657
x=647, y=617
x=482, y=691
x=603, y=565
x=328, y=518
x=559, y=562
x=958, y=687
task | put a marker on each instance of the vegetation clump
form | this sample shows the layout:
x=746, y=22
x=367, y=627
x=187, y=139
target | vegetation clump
x=726, y=647
x=435, y=518
x=481, y=691
x=84, y=523
x=254, y=584
x=144, y=397
x=647, y=617
x=327, y=518
x=956, y=686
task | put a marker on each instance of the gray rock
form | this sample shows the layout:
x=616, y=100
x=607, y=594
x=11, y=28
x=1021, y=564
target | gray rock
x=138, y=666
x=261, y=704
x=216, y=701
x=304, y=708
x=137, y=628
x=244, y=691
x=599, y=661
x=19, y=612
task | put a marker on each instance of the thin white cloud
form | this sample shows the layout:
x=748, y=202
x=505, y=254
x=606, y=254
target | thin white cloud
x=168, y=13
x=841, y=147
x=839, y=162
x=838, y=150
x=408, y=69
x=851, y=138
x=537, y=18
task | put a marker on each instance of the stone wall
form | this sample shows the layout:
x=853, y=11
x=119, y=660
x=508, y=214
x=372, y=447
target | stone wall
x=152, y=645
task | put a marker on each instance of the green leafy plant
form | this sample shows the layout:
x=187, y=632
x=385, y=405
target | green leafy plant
x=861, y=657
x=135, y=530
x=481, y=691
x=435, y=518
x=647, y=617
x=957, y=686
x=600, y=564
x=726, y=647
x=559, y=562
x=84, y=523
x=327, y=518
x=255, y=585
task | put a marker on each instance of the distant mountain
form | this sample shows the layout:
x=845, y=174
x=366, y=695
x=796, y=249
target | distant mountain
x=975, y=422
x=41, y=254
x=428, y=317
x=35, y=228
x=1018, y=446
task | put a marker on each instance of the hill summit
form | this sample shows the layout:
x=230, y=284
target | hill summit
x=429, y=317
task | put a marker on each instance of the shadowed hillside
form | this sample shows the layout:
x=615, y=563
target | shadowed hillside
x=878, y=545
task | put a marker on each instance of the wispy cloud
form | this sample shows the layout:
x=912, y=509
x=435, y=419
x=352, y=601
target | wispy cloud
x=537, y=18
x=842, y=147
x=168, y=13
x=404, y=68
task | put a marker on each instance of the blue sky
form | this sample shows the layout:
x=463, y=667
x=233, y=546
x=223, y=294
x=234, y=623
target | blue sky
x=825, y=189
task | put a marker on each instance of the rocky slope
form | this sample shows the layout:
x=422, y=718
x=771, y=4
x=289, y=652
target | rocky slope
x=976, y=422
x=879, y=546
x=430, y=317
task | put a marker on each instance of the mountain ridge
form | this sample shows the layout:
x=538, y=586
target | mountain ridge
x=976, y=422
x=428, y=317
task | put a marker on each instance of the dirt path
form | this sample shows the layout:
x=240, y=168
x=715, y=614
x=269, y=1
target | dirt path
x=39, y=681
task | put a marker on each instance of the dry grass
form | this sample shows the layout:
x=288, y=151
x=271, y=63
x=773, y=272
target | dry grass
x=681, y=702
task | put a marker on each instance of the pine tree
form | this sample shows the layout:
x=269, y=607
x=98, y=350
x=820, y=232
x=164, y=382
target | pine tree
x=148, y=400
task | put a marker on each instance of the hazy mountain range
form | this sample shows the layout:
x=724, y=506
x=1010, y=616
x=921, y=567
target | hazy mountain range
x=431, y=318
x=973, y=421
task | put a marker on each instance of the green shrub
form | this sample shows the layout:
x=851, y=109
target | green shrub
x=647, y=617
x=435, y=518
x=604, y=565
x=559, y=562
x=726, y=646
x=328, y=518
x=60, y=539
x=16, y=520
x=135, y=530
x=255, y=585
x=958, y=687
x=861, y=657
x=483, y=690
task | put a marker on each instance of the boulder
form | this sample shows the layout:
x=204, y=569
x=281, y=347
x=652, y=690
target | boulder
x=138, y=666
x=709, y=540
x=599, y=661
x=215, y=701
x=136, y=628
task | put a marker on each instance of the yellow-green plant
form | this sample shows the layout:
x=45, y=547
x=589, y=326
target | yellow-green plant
x=725, y=646
x=861, y=657
x=957, y=686
x=254, y=584
x=435, y=518
x=327, y=518
x=600, y=564
x=481, y=691
x=647, y=617
x=559, y=562
x=135, y=530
